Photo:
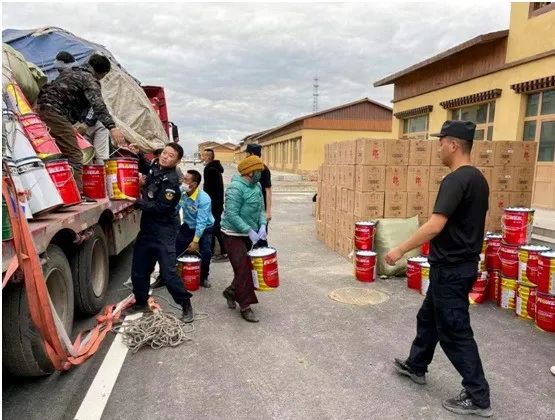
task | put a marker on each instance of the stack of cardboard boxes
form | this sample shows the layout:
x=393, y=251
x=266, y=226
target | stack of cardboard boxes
x=369, y=179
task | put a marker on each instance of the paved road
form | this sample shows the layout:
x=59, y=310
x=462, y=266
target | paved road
x=308, y=358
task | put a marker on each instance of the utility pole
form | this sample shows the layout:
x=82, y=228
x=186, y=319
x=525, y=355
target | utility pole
x=315, y=95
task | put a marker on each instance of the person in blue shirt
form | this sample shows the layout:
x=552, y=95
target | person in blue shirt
x=195, y=234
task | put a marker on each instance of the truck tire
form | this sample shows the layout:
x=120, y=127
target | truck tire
x=90, y=273
x=23, y=353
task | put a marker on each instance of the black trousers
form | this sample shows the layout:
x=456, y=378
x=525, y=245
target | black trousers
x=217, y=232
x=148, y=250
x=444, y=318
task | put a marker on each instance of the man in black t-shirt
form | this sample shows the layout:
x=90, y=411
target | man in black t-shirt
x=265, y=181
x=456, y=231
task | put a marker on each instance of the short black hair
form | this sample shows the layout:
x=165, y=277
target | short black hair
x=158, y=152
x=211, y=151
x=100, y=63
x=197, y=177
x=466, y=146
x=175, y=147
x=65, y=57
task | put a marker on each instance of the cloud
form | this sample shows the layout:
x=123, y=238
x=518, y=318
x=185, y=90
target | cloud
x=232, y=69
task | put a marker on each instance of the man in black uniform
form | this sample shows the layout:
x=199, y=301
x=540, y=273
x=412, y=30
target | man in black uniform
x=456, y=232
x=265, y=181
x=156, y=239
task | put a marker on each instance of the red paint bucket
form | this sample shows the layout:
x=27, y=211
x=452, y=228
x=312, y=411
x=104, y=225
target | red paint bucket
x=492, y=288
x=364, y=235
x=545, y=312
x=265, y=268
x=425, y=249
x=493, y=242
x=528, y=256
x=86, y=147
x=414, y=272
x=508, y=255
x=478, y=292
x=365, y=266
x=61, y=173
x=94, y=181
x=37, y=132
x=190, y=272
x=122, y=176
x=517, y=225
x=546, y=272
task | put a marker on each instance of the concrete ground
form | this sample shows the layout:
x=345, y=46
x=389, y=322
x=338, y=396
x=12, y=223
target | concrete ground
x=309, y=357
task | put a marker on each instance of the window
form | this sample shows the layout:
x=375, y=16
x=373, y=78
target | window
x=480, y=114
x=539, y=8
x=539, y=123
x=415, y=127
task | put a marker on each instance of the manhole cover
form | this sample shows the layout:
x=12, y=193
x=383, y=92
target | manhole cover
x=358, y=296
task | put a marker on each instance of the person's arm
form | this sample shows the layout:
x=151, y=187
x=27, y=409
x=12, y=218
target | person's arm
x=91, y=90
x=233, y=203
x=165, y=201
x=204, y=212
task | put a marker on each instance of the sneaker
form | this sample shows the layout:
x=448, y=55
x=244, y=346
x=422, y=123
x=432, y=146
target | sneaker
x=230, y=299
x=188, y=315
x=157, y=283
x=462, y=404
x=404, y=369
x=248, y=315
x=206, y=283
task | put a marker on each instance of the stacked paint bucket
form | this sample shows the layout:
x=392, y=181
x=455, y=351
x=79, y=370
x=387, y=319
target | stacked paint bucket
x=527, y=271
x=418, y=271
x=365, y=257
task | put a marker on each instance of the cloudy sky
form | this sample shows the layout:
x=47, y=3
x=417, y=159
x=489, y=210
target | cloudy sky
x=231, y=69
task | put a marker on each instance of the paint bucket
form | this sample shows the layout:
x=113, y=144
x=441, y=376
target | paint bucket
x=365, y=266
x=122, y=178
x=60, y=172
x=517, y=225
x=493, y=242
x=522, y=302
x=545, y=311
x=507, y=293
x=508, y=255
x=7, y=233
x=265, y=273
x=414, y=272
x=364, y=235
x=16, y=100
x=478, y=292
x=546, y=272
x=425, y=285
x=22, y=193
x=190, y=272
x=44, y=197
x=528, y=256
x=425, y=249
x=94, y=181
x=38, y=134
x=493, y=285
x=86, y=147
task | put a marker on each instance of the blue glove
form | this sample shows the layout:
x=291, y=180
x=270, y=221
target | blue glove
x=253, y=236
x=262, y=232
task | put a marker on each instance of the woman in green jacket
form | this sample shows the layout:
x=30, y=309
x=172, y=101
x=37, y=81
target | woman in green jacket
x=243, y=225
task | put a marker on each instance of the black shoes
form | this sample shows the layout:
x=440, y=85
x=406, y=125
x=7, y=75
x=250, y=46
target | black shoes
x=248, y=315
x=404, y=369
x=230, y=299
x=157, y=283
x=136, y=308
x=188, y=315
x=462, y=404
x=206, y=283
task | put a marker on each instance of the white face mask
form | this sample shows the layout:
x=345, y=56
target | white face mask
x=187, y=188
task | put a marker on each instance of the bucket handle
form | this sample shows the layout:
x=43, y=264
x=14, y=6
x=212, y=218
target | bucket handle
x=505, y=261
x=513, y=229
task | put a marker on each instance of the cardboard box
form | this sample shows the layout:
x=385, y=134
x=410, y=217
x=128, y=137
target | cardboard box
x=520, y=199
x=321, y=231
x=432, y=196
x=330, y=237
x=528, y=153
x=326, y=154
x=332, y=198
x=369, y=205
x=501, y=178
x=349, y=177
x=370, y=152
x=493, y=223
x=435, y=159
x=418, y=178
x=437, y=173
x=417, y=204
x=334, y=153
x=396, y=178
x=350, y=199
x=369, y=178
x=482, y=153
x=420, y=152
x=498, y=201
x=332, y=174
x=507, y=153
x=395, y=204
x=342, y=200
x=397, y=152
x=487, y=172
x=522, y=178
x=350, y=152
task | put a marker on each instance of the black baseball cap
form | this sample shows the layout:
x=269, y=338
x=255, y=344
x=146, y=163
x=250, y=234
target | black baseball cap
x=463, y=130
x=255, y=149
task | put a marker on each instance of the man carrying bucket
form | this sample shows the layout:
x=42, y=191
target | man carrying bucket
x=456, y=231
x=195, y=234
x=156, y=239
x=64, y=101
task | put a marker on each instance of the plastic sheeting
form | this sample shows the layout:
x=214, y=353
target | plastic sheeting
x=29, y=77
x=390, y=233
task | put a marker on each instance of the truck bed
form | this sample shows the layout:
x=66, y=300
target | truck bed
x=76, y=218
